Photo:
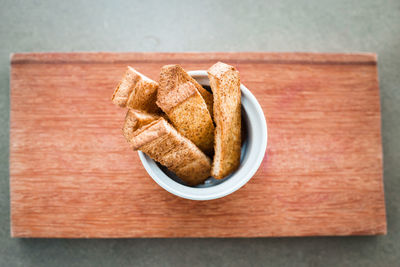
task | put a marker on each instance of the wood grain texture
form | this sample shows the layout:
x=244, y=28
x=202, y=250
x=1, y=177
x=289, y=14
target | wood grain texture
x=73, y=175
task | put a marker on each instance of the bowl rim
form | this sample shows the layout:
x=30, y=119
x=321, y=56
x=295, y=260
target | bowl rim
x=209, y=193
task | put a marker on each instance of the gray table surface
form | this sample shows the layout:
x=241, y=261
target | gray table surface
x=320, y=26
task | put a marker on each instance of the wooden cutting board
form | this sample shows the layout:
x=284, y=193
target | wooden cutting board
x=73, y=175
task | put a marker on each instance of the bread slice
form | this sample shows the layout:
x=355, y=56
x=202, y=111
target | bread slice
x=188, y=112
x=136, y=119
x=225, y=85
x=136, y=91
x=172, y=76
x=160, y=141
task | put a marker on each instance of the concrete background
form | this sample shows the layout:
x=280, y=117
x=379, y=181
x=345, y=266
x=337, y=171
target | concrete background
x=321, y=26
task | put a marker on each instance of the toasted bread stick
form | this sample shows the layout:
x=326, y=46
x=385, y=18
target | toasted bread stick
x=225, y=84
x=172, y=76
x=136, y=91
x=188, y=112
x=160, y=141
x=136, y=119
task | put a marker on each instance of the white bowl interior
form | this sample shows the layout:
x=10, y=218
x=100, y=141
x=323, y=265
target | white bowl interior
x=252, y=154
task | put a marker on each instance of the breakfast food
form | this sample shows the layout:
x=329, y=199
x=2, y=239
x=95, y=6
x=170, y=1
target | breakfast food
x=180, y=124
x=136, y=91
x=188, y=112
x=172, y=76
x=136, y=119
x=225, y=85
x=164, y=144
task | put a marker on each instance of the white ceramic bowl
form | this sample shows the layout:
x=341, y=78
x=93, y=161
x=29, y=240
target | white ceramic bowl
x=253, y=150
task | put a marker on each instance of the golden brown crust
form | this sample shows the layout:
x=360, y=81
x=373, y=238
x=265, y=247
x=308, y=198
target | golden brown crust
x=125, y=87
x=188, y=113
x=136, y=119
x=175, y=96
x=136, y=91
x=225, y=84
x=148, y=133
x=164, y=144
x=172, y=76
